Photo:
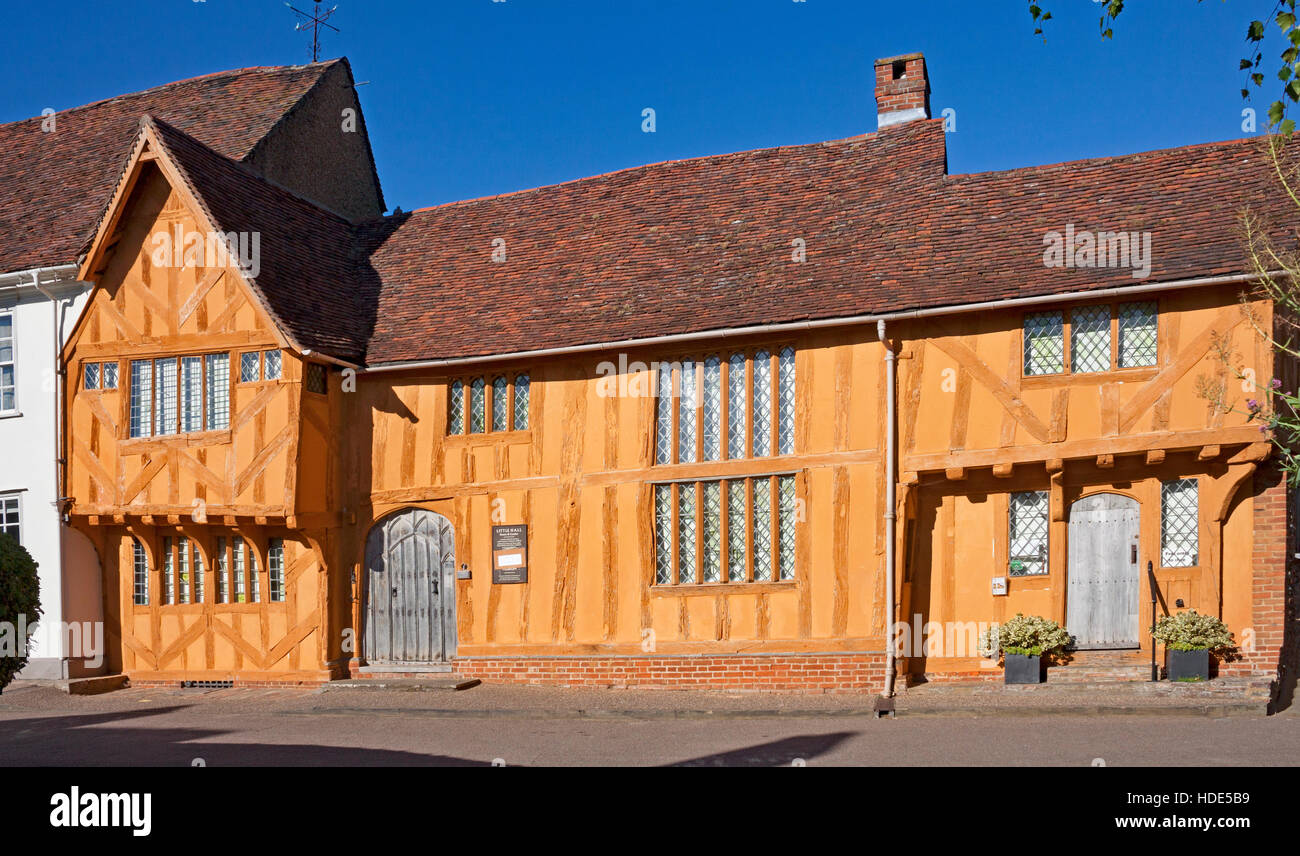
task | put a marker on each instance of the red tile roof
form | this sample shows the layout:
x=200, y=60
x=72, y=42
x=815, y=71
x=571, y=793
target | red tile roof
x=55, y=184
x=705, y=244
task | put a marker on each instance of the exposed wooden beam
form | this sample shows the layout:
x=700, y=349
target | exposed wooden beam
x=1055, y=465
x=955, y=473
x=1156, y=456
x=1002, y=471
x=1208, y=453
x=1105, y=462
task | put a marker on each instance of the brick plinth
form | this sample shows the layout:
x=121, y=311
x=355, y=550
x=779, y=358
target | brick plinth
x=813, y=673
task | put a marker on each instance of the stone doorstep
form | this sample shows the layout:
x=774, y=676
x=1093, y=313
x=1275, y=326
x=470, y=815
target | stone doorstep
x=403, y=683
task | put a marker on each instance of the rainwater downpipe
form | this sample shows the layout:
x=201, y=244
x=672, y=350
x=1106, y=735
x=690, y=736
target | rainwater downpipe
x=59, y=379
x=891, y=516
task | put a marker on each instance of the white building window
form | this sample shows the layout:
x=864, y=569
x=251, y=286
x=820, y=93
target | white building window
x=8, y=367
x=11, y=516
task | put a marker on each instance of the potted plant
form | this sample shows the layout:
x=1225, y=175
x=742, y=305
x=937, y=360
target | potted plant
x=1189, y=637
x=1024, y=641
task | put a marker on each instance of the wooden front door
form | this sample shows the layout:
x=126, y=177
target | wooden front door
x=1103, y=572
x=411, y=589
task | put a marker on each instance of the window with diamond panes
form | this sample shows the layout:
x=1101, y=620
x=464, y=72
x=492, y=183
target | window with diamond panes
x=275, y=569
x=1044, y=334
x=90, y=372
x=726, y=531
x=250, y=367
x=1027, y=553
x=175, y=395
x=100, y=375
x=316, y=379
x=1179, y=524
x=1090, y=339
x=739, y=405
x=273, y=361
x=481, y=406
x=140, y=574
x=169, y=572
x=1137, y=334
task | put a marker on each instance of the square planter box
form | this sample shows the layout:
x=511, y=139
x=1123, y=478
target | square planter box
x=1187, y=665
x=1024, y=669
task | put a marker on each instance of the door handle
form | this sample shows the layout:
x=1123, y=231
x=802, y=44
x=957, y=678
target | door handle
x=394, y=591
x=1133, y=553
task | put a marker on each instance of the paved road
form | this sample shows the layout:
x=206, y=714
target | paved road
x=40, y=726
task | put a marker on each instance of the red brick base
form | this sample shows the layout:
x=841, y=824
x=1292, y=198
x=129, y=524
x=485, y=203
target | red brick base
x=812, y=673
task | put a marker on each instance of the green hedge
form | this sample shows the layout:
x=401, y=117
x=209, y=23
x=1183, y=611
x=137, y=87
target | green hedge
x=20, y=594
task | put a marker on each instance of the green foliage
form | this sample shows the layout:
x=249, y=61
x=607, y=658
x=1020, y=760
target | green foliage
x=1024, y=634
x=1191, y=631
x=1283, y=14
x=20, y=595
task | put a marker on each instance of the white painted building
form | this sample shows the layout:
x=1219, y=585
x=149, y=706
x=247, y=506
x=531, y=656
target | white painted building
x=37, y=310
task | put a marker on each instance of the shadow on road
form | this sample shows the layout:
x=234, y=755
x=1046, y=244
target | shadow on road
x=105, y=739
x=777, y=753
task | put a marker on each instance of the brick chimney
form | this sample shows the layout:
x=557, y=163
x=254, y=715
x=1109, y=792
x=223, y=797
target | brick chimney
x=902, y=90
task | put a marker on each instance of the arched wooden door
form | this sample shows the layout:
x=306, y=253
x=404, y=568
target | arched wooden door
x=410, y=589
x=1103, y=572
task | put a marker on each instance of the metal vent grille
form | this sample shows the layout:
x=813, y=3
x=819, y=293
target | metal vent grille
x=207, y=685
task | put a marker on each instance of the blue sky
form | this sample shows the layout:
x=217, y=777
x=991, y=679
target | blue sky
x=469, y=98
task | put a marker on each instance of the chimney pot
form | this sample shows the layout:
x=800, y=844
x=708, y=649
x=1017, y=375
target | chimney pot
x=902, y=90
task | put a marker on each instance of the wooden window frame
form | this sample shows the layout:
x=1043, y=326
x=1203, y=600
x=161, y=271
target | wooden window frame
x=511, y=431
x=724, y=419
x=124, y=432
x=1067, y=331
x=759, y=481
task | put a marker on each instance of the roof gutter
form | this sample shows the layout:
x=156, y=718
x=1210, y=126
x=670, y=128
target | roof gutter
x=795, y=326
x=15, y=280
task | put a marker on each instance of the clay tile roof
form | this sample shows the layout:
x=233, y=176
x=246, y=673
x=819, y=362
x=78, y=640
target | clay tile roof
x=54, y=184
x=307, y=276
x=705, y=244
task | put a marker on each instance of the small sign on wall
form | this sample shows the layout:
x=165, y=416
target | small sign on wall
x=509, y=554
x=999, y=585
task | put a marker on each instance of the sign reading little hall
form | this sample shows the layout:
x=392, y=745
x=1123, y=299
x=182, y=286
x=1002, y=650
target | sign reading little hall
x=510, y=554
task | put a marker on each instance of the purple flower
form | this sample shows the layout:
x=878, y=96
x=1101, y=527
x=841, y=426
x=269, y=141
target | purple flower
x=1277, y=383
x=1252, y=404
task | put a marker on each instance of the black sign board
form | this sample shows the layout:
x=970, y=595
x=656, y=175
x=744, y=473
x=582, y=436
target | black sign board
x=509, y=554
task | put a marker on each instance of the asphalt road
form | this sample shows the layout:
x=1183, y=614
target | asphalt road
x=40, y=726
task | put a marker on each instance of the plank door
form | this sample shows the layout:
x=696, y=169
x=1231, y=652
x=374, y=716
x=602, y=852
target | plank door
x=411, y=589
x=1103, y=572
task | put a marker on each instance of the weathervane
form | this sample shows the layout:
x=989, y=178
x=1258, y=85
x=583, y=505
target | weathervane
x=314, y=22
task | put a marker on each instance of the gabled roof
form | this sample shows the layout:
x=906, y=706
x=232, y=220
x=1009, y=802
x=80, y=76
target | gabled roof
x=307, y=278
x=54, y=183
x=707, y=244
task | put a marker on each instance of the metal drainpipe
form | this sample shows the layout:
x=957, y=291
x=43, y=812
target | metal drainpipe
x=58, y=390
x=891, y=522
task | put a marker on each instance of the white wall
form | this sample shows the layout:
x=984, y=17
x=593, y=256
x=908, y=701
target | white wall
x=28, y=449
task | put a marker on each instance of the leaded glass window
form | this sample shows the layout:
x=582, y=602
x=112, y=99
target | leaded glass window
x=223, y=572
x=762, y=517
x=500, y=404
x=722, y=532
x=140, y=575
x=191, y=394
x=664, y=416
x=165, y=396
x=787, y=517
x=737, y=532
x=217, y=386
x=687, y=403
x=254, y=578
x=198, y=573
x=785, y=409
x=1027, y=553
x=711, y=514
x=456, y=408
x=521, y=402
x=686, y=546
x=237, y=568
x=250, y=367
x=1179, y=524
x=1137, y=334
x=274, y=363
x=762, y=404
x=1090, y=339
x=90, y=373
x=1044, y=334
x=169, y=573
x=663, y=534
x=712, y=440
x=477, y=406
x=108, y=379
x=737, y=411
x=316, y=379
x=141, y=398
x=275, y=569
x=183, y=568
